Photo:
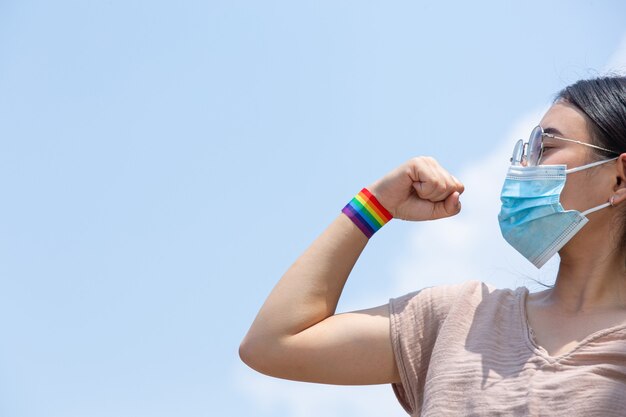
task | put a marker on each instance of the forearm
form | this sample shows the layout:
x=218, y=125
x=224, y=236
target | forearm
x=310, y=289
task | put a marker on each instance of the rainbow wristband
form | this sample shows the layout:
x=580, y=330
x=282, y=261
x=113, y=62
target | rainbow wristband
x=367, y=213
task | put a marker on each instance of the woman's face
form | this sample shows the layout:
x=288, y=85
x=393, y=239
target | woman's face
x=583, y=189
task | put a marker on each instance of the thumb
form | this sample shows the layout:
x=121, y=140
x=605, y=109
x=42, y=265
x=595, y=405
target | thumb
x=448, y=207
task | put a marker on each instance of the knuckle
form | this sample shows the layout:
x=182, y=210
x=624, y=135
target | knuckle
x=423, y=159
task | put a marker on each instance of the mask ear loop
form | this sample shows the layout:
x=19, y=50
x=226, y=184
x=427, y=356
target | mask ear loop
x=600, y=207
x=591, y=165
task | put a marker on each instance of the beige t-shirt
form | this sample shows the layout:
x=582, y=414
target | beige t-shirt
x=467, y=350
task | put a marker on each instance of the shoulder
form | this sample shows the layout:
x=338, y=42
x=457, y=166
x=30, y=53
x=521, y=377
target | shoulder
x=438, y=301
x=447, y=293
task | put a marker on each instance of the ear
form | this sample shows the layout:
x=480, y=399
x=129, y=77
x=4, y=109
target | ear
x=619, y=186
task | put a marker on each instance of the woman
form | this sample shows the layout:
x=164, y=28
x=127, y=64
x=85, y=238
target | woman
x=471, y=349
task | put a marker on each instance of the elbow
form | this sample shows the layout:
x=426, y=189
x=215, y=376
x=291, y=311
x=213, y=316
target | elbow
x=246, y=353
x=262, y=357
x=251, y=353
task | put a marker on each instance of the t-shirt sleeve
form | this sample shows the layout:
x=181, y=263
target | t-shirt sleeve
x=415, y=319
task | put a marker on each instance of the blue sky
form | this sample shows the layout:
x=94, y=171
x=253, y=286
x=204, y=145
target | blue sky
x=163, y=163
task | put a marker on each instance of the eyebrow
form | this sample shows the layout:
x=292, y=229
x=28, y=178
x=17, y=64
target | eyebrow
x=553, y=131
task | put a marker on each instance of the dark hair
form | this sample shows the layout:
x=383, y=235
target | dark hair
x=603, y=101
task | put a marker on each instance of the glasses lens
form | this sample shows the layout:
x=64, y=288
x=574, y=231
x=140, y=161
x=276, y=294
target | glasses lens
x=534, y=146
x=516, y=158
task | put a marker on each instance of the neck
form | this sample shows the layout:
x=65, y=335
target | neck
x=592, y=275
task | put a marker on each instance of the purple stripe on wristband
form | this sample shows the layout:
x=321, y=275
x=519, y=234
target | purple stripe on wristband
x=358, y=220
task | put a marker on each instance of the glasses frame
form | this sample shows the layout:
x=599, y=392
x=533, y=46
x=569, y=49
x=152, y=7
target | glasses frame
x=523, y=151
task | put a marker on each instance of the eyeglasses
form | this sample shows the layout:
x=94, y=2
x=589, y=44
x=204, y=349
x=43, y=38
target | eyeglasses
x=531, y=151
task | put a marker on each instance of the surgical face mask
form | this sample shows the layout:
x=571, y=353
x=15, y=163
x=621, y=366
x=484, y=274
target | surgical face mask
x=532, y=219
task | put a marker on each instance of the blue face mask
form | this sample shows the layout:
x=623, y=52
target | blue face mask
x=532, y=219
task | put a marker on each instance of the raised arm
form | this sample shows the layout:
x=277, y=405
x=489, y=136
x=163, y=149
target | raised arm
x=296, y=334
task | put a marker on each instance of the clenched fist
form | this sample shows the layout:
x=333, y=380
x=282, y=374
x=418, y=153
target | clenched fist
x=419, y=189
